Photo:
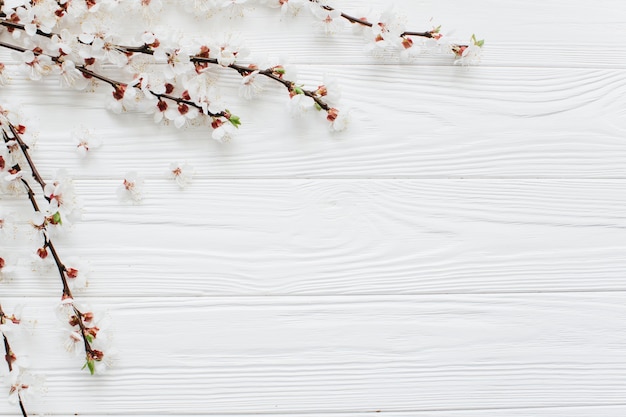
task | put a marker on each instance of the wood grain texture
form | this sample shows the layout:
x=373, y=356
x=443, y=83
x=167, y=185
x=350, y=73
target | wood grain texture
x=426, y=123
x=346, y=354
x=324, y=237
x=518, y=33
x=459, y=252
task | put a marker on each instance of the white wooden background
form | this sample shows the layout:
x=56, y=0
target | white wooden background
x=461, y=251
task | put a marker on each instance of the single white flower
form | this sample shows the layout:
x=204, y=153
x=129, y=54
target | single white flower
x=36, y=66
x=71, y=76
x=124, y=98
x=328, y=21
x=181, y=114
x=199, y=6
x=251, y=85
x=131, y=187
x=229, y=50
x=65, y=43
x=300, y=104
x=7, y=268
x=468, y=55
x=177, y=63
x=12, y=182
x=4, y=78
x=223, y=131
x=24, y=385
x=76, y=274
x=234, y=7
x=84, y=141
x=339, y=120
x=182, y=173
x=330, y=90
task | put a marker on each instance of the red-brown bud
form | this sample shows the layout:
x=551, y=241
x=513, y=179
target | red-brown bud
x=162, y=105
x=332, y=114
x=216, y=123
x=119, y=91
x=183, y=108
x=95, y=355
x=42, y=253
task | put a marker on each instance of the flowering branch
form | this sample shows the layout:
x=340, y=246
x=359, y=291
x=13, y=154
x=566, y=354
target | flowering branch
x=201, y=62
x=17, y=388
x=387, y=32
x=75, y=317
x=364, y=22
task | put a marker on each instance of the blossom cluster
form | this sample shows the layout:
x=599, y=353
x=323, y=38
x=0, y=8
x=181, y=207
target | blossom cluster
x=172, y=78
x=175, y=79
x=53, y=208
x=16, y=376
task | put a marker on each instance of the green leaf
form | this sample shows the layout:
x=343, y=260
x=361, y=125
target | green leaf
x=480, y=43
x=89, y=337
x=56, y=218
x=279, y=70
x=235, y=121
x=298, y=90
x=92, y=367
x=318, y=107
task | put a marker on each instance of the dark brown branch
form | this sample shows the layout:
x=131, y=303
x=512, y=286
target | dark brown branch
x=47, y=244
x=147, y=50
x=9, y=360
x=364, y=22
x=24, y=147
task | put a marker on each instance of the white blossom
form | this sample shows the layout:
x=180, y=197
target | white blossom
x=300, y=104
x=234, y=7
x=328, y=21
x=84, y=141
x=251, y=85
x=36, y=66
x=131, y=187
x=469, y=55
x=182, y=173
x=72, y=77
x=4, y=79
x=223, y=131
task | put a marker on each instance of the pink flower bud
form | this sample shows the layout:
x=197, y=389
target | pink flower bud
x=42, y=253
x=162, y=105
x=95, y=355
x=332, y=114
x=216, y=123
x=183, y=108
x=119, y=91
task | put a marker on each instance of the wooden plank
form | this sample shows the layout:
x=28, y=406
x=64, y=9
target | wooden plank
x=574, y=411
x=486, y=123
x=344, y=354
x=518, y=33
x=324, y=237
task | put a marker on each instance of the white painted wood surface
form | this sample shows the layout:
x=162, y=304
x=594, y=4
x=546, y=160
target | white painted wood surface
x=459, y=252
